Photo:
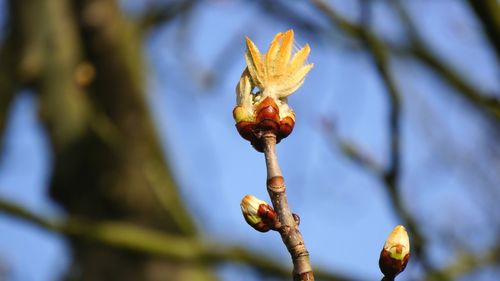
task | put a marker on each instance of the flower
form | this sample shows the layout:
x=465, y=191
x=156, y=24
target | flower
x=277, y=75
x=396, y=252
x=257, y=213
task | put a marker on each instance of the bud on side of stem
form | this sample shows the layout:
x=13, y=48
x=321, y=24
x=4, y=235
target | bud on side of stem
x=258, y=214
x=396, y=252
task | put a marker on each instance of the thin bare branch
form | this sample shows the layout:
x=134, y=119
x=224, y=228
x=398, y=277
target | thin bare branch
x=160, y=15
x=352, y=150
x=143, y=240
x=465, y=263
x=422, y=53
x=391, y=175
x=455, y=80
x=8, y=83
x=380, y=52
x=488, y=13
x=283, y=11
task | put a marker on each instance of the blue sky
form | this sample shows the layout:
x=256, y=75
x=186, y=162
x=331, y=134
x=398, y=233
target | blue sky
x=345, y=214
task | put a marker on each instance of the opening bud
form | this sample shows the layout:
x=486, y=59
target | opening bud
x=258, y=214
x=396, y=252
x=276, y=74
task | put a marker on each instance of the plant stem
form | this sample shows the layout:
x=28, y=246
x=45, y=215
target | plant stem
x=289, y=231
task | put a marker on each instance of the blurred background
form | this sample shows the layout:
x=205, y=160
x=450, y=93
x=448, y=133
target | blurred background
x=120, y=159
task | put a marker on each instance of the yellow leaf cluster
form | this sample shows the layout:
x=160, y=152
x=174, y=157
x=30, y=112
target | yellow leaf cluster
x=274, y=73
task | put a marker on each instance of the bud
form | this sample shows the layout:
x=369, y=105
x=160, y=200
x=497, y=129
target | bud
x=258, y=214
x=396, y=252
x=277, y=75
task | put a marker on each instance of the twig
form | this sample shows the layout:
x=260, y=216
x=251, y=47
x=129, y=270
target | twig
x=379, y=50
x=361, y=158
x=284, y=11
x=465, y=263
x=143, y=240
x=421, y=52
x=160, y=15
x=392, y=174
x=488, y=12
x=289, y=230
x=8, y=82
x=352, y=150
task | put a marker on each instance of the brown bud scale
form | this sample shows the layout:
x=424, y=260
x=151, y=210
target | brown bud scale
x=391, y=267
x=267, y=120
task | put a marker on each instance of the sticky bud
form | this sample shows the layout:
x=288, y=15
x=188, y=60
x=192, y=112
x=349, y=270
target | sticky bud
x=258, y=214
x=276, y=74
x=396, y=252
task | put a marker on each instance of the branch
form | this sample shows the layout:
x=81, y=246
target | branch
x=488, y=12
x=351, y=150
x=283, y=11
x=391, y=175
x=421, y=52
x=8, y=82
x=142, y=240
x=465, y=263
x=12, y=69
x=289, y=230
x=380, y=53
x=157, y=16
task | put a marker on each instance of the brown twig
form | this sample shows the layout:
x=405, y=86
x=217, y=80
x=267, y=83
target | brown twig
x=302, y=270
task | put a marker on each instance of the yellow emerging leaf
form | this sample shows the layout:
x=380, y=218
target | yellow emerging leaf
x=254, y=62
x=274, y=73
x=244, y=90
x=272, y=54
x=285, y=50
x=299, y=58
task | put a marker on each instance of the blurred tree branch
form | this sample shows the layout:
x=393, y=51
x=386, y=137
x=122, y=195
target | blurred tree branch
x=20, y=56
x=488, y=13
x=466, y=262
x=8, y=82
x=80, y=111
x=390, y=175
x=420, y=51
x=174, y=248
x=282, y=10
x=381, y=52
x=160, y=15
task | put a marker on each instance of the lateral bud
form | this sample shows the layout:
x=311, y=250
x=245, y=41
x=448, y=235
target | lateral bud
x=258, y=214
